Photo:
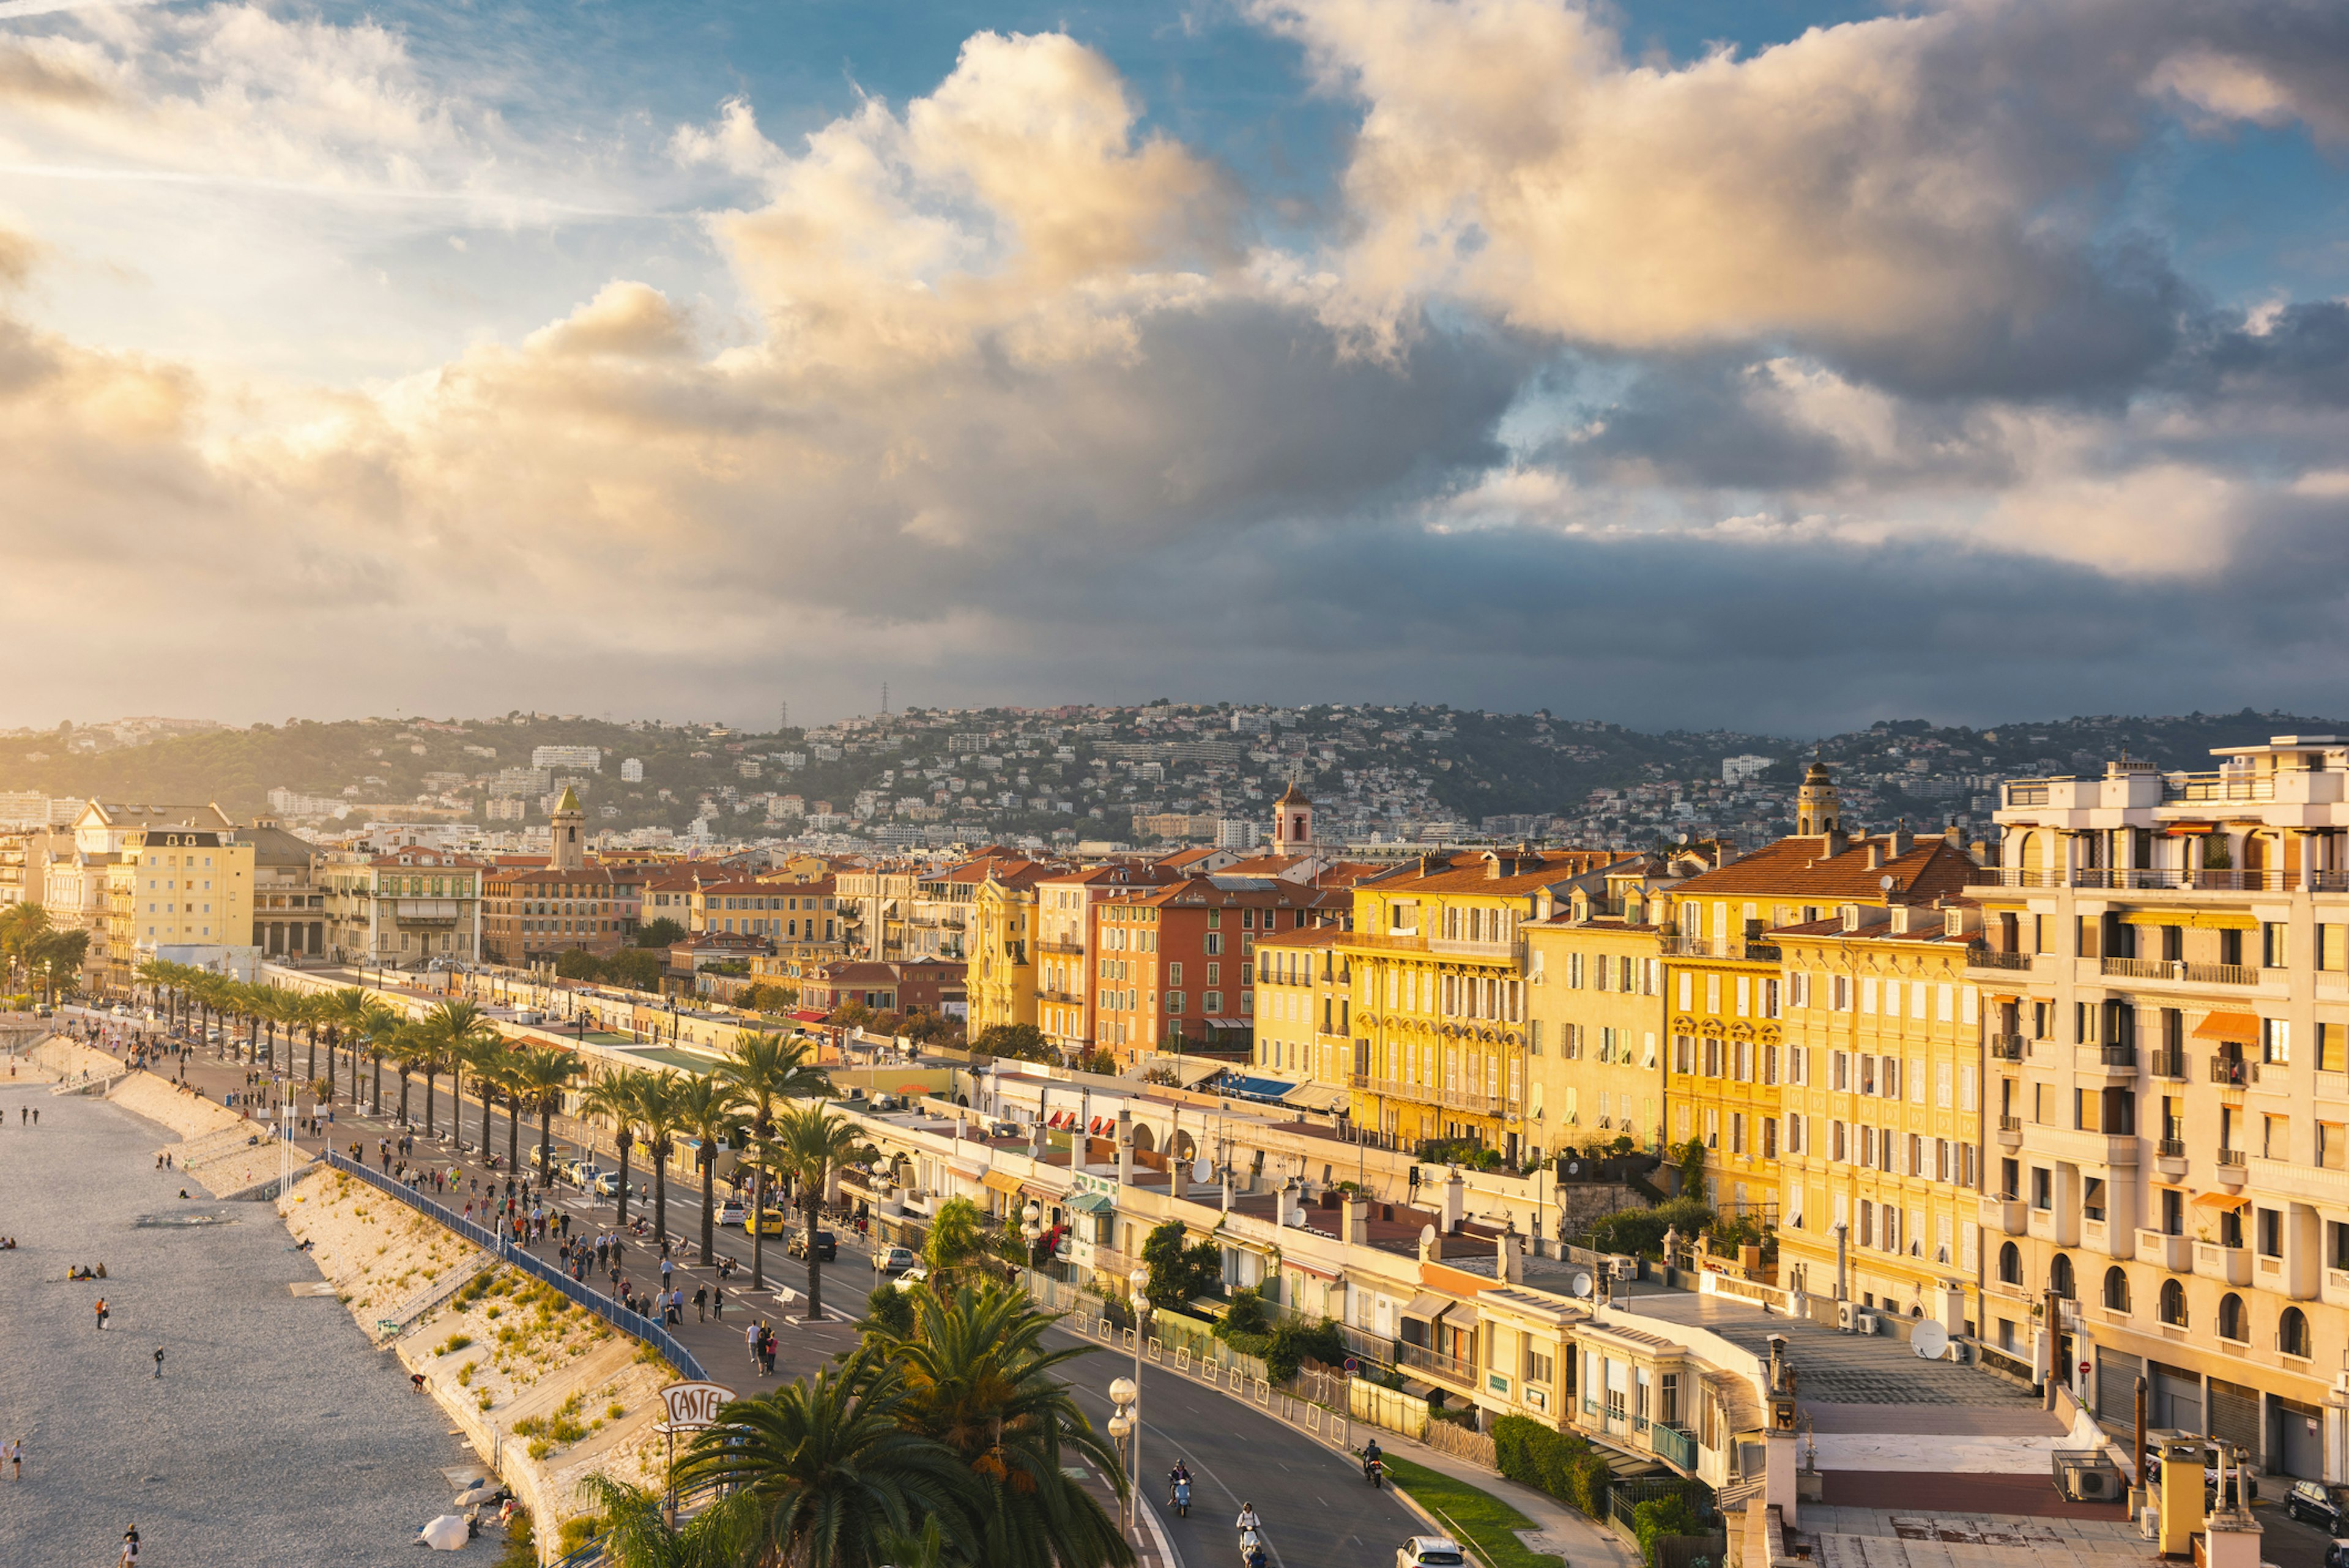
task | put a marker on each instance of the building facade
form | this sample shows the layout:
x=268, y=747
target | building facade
x=404, y=910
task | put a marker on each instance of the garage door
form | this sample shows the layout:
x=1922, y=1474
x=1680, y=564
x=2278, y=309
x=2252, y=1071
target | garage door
x=2235, y=1413
x=2116, y=1375
x=2296, y=1439
x=2177, y=1399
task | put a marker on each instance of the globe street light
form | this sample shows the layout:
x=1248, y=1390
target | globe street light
x=1138, y=1284
x=1123, y=1425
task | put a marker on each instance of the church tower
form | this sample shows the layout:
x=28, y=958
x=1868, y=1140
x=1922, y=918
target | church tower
x=570, y=833
x=1292, y=822
x=1818, y=809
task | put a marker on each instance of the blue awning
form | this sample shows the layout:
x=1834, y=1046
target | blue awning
x=1255, y=1088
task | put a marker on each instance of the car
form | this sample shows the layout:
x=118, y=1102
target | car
x=913, y=1278
x=730, y=1210
x=826, y=1245
x=1430, y=1552
x=2321, y=1505
x=607, y=1184
x=891, y=1260
x=772, y=1222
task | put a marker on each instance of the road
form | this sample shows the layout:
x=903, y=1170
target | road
x=1317, y=1508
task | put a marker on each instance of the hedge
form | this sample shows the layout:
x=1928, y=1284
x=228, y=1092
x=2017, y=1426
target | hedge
x=1659, y=1517
x=1560, y=1463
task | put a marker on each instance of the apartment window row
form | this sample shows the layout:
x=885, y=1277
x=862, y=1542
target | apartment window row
x=1616, y=971
x=1741, y=1060
x=1751, y=996
x=1477, y=924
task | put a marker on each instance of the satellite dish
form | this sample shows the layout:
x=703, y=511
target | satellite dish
x=1426, y=1235
x=1201, y=1170
x=1580, y=1284
x=1887, y=884
x=1574, y=1167
x=1929, y=1339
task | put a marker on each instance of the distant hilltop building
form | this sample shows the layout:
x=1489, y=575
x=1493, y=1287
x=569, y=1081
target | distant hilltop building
x=1737, y=769
x=589, y=757
x=632, y=769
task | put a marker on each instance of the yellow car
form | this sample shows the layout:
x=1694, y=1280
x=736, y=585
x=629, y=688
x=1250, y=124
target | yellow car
x=770, y=1221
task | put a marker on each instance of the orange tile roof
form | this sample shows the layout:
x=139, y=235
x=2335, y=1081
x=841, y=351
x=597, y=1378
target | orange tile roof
x=1800, y=869
x=1469, y=872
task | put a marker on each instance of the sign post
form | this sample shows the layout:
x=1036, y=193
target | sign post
x=692, y=1406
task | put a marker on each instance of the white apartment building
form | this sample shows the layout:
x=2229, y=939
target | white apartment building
x=2166, y=985
x=589, y=757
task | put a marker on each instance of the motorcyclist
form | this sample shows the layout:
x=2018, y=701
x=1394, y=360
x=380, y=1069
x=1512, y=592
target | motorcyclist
x=1369, y=1454
x=1248, y=1521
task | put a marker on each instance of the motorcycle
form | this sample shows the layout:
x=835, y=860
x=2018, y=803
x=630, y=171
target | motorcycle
x=1374, y=1472
x=1251, y=1550
x=1181, y=1497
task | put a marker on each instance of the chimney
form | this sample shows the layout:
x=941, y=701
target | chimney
x=1978, y=852
x=1357, y=1227
x=1949, y=836
x=1456, y=1200
x=1124, y=1146
x=1291, y=1207
x=1897, y=841
x=1179, y=1174
x=1875, y=854
x=1509, y=1266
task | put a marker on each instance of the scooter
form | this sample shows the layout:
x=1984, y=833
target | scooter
x=1251, y=1550
x=1182, y=1498
x=1374, y=1472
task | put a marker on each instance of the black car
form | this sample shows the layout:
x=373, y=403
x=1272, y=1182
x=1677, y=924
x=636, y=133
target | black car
x=2314, y=1502
x=827, y=1245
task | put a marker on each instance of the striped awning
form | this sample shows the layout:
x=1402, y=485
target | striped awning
x=996, y=1181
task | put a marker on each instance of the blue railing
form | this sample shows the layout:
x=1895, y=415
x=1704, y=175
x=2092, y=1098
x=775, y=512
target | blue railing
x=629, y=1323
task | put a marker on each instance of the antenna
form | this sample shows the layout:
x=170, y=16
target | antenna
x=885, y=696
x=782, y=715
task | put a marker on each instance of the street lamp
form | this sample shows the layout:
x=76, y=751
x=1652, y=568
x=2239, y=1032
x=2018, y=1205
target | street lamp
x=1032, y=1229
x=1138, y=1283
x=1126, y=1425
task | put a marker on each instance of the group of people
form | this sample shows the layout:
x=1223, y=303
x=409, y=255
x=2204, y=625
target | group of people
x=82, y=1270
x=762, y=1340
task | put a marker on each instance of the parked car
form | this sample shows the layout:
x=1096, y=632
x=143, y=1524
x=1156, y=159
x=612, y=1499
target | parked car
x=826, y=1245
x=2210, y=1481
x=2318, y=1503
x=892, y=1259
x=582, y=1173
x=913, y=1278
x=1430, y=1552
x=606, y=1184
x=730, y=1210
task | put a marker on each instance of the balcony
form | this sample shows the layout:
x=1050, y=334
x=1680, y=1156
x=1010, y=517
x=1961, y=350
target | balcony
x=1466, y=1100
x=2159, y=880
x=2006, y=1214
x=1675, y=1447
x=2233, y=1168
x=2008, y=1047
x=2231, y=1264
x=1435, y=1364
x=2174, y=971
x=1735, y=948
x=1986, y=958
x=2168, y=1063
x=2228, y=1072
x=2010, y=1132
x=2225, y=786
x=1076, y=950
x=1494, y=952
x=2174, y=1253
x=2108, y=1058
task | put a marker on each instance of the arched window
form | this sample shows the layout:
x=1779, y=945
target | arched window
x=2291, y=1332
x=2233, y=1323
x=2173, y=1304
x=2010, y=1265
x=2117, y=1296
x=2059, y=1277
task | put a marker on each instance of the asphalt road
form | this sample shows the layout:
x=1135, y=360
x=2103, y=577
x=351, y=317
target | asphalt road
x=1318, y=1511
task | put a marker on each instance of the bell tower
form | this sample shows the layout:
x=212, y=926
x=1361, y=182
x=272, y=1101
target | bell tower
x=570, y=833
x=1292, y=822
x=1818, y=809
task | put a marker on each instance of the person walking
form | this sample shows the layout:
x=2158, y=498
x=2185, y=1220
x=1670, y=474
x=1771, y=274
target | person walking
x=158, y=1361
x=12, y=1454
x=717, y=1304
x=751, y=1337
x=129, y=1546
x=701, y=1302
x=101, y=1311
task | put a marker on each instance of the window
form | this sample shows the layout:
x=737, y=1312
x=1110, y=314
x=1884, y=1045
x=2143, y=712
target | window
x=1213, y=1001
x=2275, y=1040
x=2059, y=1276
x=2292, y=1332
x=2173, y=1304
x=1213, y=942
x=2043, y=1188
x=2269, y=1226
x=2010, y=1265
x=2116, y=1291
x=2234, y=1323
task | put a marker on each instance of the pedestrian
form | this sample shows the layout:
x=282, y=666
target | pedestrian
x=101, y=1311
x=767, y=1352
x=12, y=1454
x=667, y=1266
x=603, y=1249
x=130, y=1545
x=700, y=1301
x=158, y=1361
x=751, y=1337
x=717, y=1304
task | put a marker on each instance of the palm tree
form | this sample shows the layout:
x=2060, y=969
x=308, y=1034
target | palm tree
x=345, y=1011
x=764, y=1069
x=540, y=1073
x=980, y=1381
x=490, y=1057
x=829, y=1468
x=459, y=1027
x=432, y=1060
x=958, y=1236
x=379, y=1026
x=614, y=1095
x=706, y=1110
x=657, y=1115
x=308, y=1009
x=637, y=1534
x=813, y=1143
x=408, y=1051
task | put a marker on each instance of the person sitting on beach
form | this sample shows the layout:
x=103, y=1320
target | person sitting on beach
x=101, y=1271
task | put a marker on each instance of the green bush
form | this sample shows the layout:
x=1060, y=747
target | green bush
x=1661, y=1516
x=1296, y=1341
x=1180, y=1269
x=1641, y=1231
x=889, y=1311
x=1560, y=1463
x=1247, y=1316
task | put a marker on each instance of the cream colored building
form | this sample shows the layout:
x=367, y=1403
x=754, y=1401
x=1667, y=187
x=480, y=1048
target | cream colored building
x=178, y=891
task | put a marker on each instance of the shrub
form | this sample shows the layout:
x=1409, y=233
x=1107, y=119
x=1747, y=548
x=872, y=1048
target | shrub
x=1296, y=1341
x=889, y=1311
x=1247, y=1316
x=1659, y=1517
x=1641, y=1231
x=1560, y=1463
x=522, y=1548
x=456, y=1342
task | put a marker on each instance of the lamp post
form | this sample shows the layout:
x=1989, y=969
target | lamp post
x=1139, y=1282
x=1126, y=1430
x=1032, y=1229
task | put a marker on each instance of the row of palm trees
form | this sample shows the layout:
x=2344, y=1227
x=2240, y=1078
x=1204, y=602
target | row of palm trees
x=947, y=1440
x=759, y=1099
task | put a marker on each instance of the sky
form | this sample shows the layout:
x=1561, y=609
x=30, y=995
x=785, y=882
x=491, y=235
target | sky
x=1771, y=366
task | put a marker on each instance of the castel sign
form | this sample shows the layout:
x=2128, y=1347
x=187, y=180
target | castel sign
x=695, y=1404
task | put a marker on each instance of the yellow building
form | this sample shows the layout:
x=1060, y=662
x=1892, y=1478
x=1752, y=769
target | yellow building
x=1438, y=959
x=176, y=890
x=1882, y=1138
x=1001, y=933
x=1725, y=994
x=1304, y=1007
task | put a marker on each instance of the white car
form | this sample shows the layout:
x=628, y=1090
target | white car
x=892, y=1259
x=730, y=1210
x=1430, y=1552
x=913, y=1278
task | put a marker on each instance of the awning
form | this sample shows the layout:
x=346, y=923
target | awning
x=1092, y=1203
x=996, y=1181
x=2218, y=1201
x=2242, y=1028
x=2199, y=919
x=1316, y=1270
x=1427, y=1307
x=1316, y=1097
x=2188, y=827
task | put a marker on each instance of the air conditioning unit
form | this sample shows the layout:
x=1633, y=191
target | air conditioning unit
x=1962, y=1353
x=1853, y=1318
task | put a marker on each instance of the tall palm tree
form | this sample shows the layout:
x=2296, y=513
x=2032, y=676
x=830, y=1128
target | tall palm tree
x=764, y=1069
x=829, y=1466
x=813, y=1144
x=614, y=1094
x=488, y=1057
x=707, y=1108
x=379, y=1026
x=432, y=1060
x=638, y=1532
x=344, y=1010
x=657, y=1115
x=459, y=1027
x=980, y=1380
x=407, y=1050
x=540, y=1075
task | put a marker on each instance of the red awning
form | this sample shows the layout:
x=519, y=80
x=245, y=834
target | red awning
x=1095, y=1127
